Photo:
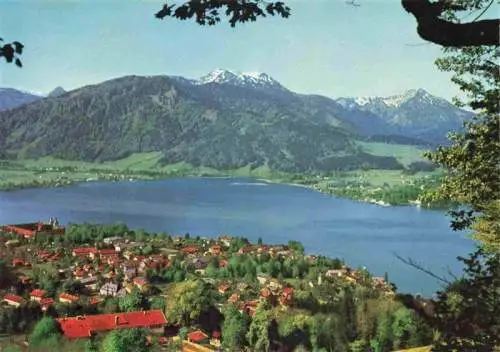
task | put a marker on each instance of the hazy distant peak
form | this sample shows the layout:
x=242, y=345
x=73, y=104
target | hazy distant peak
x=245, y=79
x=58, y=91
x=391, y=102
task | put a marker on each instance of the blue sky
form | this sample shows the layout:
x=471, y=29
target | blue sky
x=326, y=47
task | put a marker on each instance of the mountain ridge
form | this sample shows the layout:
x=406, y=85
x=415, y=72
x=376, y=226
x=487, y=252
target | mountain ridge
x=224, y=120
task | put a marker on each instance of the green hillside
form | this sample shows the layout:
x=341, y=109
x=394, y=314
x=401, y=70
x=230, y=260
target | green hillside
x=214, y=126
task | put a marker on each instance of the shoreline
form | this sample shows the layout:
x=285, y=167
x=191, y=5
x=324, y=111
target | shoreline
x=84, y=176
x=70, y=183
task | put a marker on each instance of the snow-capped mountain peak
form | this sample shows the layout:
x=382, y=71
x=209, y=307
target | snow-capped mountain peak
x=390, y=102
x=244, y=79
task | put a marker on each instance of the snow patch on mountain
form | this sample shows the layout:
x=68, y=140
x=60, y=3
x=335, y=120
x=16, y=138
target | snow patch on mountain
x=243, y=79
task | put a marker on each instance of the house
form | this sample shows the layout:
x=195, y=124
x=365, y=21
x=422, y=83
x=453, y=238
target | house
x=234, y=298
x=79, y=273
x=262, y=278
x=24, y=280
x=223, y=288
x=129, y=271
x=37, y=295
x=106, y=254
x=265, y=294
x=215, y=340
x=201, y=262
x=274, y=285
x=30, y=230
x=190, y=250
x=13, y=300
x=129, y=288
x=198, y=337
x=90, y=283
x=45, y=303
x=140, y=282
x=242, y=286
x=215, y=249
x=95, y=300
x=84, y=251
x=86, y=326
x=19, y=262
x=113, y=240
x=67, y=298
x=250, y=307
x=287, y=296
x=108, y=289
x=226, y=240
x=109, y=275
x=12, y=243
x=335, y=273
x=245, y=250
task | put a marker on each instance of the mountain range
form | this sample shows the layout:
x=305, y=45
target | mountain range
x=223, y=120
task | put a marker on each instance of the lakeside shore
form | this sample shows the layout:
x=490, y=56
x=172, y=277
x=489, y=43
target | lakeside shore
x=17, y=176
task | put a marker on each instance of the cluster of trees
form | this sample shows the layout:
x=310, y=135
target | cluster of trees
x=375, y=325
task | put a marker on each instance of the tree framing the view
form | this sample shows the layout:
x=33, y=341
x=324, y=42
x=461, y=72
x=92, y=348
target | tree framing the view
x=467, y=310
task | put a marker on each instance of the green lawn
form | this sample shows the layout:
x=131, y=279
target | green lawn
x=405, y=154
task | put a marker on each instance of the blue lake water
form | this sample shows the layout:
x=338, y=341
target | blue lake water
x=362, y=234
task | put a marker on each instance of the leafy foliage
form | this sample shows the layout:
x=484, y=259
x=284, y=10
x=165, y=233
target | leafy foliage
x=208, y=12
x=46, y=331
x=468, y=313
x=125, y=340
x=258, y=332
x=192, y=299
x=233, y=330
x=11, y=52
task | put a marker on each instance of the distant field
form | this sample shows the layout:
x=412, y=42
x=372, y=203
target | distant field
x=405, y=154
x=379, y=177
x=417, y=349
x=50, y=172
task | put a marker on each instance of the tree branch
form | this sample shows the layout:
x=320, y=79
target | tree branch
x=449, y=34
x=417, y=266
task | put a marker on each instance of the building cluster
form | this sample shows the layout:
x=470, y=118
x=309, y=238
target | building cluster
x=116, y=266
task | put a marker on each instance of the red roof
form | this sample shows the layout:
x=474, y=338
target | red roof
x=47, y=301
x=287, y=291
x=83, y=326
x=38, y=293
x=190, y=250
x=107, y=251
x=84, y=250
x=95, y=300
x=197, y=336
x=13, y=298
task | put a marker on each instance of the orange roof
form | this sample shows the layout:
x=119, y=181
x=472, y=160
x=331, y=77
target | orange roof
x=69, y=297
x=197, y=336
x=84, y=326
x=265, y=292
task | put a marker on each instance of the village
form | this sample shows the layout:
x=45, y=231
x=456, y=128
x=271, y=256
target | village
x=93, y=279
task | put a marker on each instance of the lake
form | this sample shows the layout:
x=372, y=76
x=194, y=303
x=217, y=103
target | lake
x=360, y=233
